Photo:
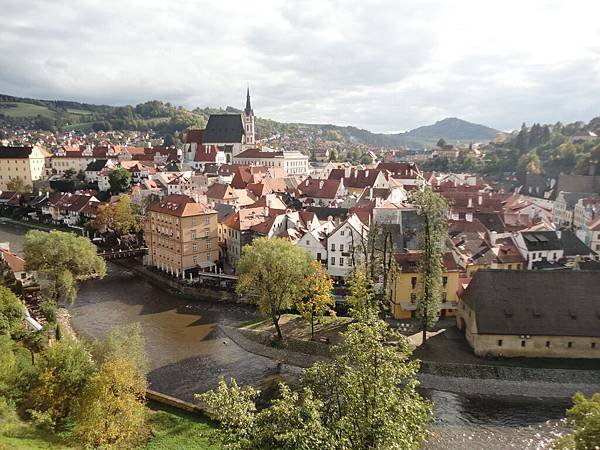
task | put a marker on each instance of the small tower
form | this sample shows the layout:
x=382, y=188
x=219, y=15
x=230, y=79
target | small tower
x=248, y=122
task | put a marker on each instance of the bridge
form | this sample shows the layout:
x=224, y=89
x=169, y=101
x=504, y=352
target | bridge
x=119, y=254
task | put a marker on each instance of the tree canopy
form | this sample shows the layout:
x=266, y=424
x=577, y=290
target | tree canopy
x=12, y=311
x=121, y=217
x=273, y=271
x=316, y=299
x=62, y=259
x=584, y=418
x=119, y=179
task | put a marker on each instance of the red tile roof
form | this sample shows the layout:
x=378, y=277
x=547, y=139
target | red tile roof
x=180, y=205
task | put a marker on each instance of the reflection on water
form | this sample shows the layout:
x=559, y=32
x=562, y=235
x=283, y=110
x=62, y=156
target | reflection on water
x=188, y=353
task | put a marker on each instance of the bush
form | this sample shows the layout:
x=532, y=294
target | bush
x=48, y=309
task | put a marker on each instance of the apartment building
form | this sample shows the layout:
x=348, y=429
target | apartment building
x=25, y=163
x=181, y=235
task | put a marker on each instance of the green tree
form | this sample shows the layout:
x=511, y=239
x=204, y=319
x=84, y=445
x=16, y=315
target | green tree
x=12, y=312
x=316, y=300
x=431, y=236
x=122, y=217
x=365, y=398
x=119, y=180
x=62, y=259
x=273, y=271
x=62, y=375
x=8, y=367
x=362, y=302
x=584, y=418
x=69, y=174
x=111, y=413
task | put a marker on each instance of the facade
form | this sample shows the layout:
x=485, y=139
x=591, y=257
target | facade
x=181, y=235
x=564, y=207
x=406, y=283
x=293, y=162
x=532, y=314
x=344, y=247
x=25, y=163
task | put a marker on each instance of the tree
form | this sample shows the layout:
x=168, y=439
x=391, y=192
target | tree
x=8, y=367
x=112, y=409
x=316, y=300
x=62, y=259
x=17, y=184
x=69, y=173
x=273, y=271
x=62, y=375
x=365, y=398
x=431, y=237
x=125, y=342
x=12, y=311
x=119, y=180
x=441, y=143
x=361, y=301
x=584, y=418
x=121, y=217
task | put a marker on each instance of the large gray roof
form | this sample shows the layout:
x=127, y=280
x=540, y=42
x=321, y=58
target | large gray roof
x=555, y=303
x=223, y=129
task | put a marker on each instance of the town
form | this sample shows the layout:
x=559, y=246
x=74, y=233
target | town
x=484, y=264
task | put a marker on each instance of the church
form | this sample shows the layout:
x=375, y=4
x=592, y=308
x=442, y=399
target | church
x=225, y=135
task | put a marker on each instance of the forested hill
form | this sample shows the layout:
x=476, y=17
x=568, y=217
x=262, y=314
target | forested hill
x=167, y=119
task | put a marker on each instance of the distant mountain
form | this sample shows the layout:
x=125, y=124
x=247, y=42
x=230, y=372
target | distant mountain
x=453, y=129
x=166, y=119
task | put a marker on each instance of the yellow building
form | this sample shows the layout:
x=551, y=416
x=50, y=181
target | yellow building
x=181, y=235
x=406, y=281
x=24, y=163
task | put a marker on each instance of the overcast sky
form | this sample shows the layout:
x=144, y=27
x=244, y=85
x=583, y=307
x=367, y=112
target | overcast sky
x=380, y=65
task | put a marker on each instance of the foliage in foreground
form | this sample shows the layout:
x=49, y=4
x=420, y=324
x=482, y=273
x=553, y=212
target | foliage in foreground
x=584, y=418
x=364, y=398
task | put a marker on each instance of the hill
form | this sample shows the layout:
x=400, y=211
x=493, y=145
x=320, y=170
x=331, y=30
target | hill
x=167, y=119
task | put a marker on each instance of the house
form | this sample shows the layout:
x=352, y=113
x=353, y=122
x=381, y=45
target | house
x=356, y=180
x=293, y=162
x=532, y=314
x=236, y=231
x=321, y=192
x=181, y=235
x=221, y=193
x=68, y=208
x=24, y=163
x=564, y=207
x=406, y=283
x=345, y=247
x=94, y=168
x=17, y=267
x=551, y=249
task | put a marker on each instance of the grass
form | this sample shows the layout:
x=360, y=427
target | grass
x=174, y=429
x=19, y=109
x=171, y=429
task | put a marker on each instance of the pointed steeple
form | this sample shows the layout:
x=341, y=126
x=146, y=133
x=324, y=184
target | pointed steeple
x=248, y=109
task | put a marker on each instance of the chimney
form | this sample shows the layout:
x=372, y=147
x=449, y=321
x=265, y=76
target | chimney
x=493, y=237
x=479, y=199
x=470, y=204
x=266, y=211
x=321, y=184
x=559, y=234
x=366, y=173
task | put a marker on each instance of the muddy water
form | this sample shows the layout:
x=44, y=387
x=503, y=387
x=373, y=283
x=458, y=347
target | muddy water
x=187, y=354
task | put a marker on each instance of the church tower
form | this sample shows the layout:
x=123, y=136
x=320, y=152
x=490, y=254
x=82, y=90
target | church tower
x=248, y=122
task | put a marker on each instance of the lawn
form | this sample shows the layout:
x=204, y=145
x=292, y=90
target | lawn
x=171, y=430
x=294, y=326
x=19, y=109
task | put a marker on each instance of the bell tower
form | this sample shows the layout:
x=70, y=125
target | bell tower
x=248, y=122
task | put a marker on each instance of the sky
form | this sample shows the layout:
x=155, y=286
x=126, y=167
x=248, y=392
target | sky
x=380, y=65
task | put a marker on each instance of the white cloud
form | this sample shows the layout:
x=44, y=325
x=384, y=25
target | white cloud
x=381, y=65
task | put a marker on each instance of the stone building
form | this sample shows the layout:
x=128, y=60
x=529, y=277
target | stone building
x=24, y=163
x=532, y=314
x=181, y=235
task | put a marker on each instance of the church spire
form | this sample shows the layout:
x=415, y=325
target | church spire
x=248, y=109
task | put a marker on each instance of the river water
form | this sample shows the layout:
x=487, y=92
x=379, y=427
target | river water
x=188, y=353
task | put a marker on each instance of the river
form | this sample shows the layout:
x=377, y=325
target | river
x=187, y=354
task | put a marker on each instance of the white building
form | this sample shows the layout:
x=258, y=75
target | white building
x=293, y=162
x=344, y=247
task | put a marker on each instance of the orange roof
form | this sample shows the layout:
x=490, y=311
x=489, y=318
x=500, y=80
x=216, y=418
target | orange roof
x=15, y=262
x=181, y=206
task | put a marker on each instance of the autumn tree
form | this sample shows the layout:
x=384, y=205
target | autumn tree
x=431, y=236
x=272, y=271
x=365, y=398
x=17, y=184
x=316, y=300
x=62, y=259
x=119, y=179
x=121, y=217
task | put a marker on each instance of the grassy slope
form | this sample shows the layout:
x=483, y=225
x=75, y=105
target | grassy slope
x=171, y=430
x=26, y=110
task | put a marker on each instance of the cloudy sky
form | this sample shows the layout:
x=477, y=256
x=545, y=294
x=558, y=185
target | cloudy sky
x=380, y=65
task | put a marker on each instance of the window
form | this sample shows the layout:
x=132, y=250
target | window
x=444, y=296
x=194, y=247
x=445, y=281
x=341, y=262
x=318, y=257
x=193, y=234
x=547, y=344
x=333, y=260
x=333, y=247
x=342, y=233
x=413, y=282
x=570, y=344
x=499, y=342
x=195, y=259
x=510, y=267
x=522, y=343
x=341, y=247
x=593, y=345
x=193, y=221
